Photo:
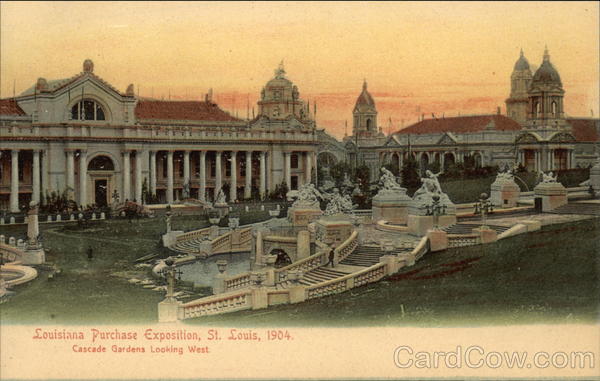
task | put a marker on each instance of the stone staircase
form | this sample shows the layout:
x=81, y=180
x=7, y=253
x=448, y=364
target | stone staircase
x=321, y=274
x=188, y=246
x=365, y=256
x=578, y=208
x=468, y=228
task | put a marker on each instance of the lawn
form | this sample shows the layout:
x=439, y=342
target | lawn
x=549, y=276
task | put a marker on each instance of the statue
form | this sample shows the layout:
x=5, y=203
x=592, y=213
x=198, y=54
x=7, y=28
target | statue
x=186, y=190
x=548, y=178
x=308, y=196
x=168, y=216
x=338, y=204
x=387, y=181
x=430, y=186
x=220, y=198
x=506, y=176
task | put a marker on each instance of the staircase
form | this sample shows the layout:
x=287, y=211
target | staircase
x=366, y=256
x=468, y=228
x=188, y=246
x=321, y=274
x=578, y=208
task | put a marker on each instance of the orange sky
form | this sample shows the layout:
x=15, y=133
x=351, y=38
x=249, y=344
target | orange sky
x=441, y=58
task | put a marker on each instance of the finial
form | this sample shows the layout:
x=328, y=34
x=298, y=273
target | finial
x=522, y=52
x=546, y=54
x=280, y=72
x=364, y=84
x=88, y=66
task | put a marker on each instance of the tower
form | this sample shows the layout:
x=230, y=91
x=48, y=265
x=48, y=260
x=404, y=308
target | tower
x=545, y=105
x=280, y=99
x=520, y=80
x=365, y=114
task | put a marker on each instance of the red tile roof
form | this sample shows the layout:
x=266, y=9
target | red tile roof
x=462, y=124
x=181, y=110
x=9, y=106
x=585, y=130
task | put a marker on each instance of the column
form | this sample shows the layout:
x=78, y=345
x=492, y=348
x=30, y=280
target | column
x=14, y=181
x=202, y=190
x=314, y=160
x=70, y=174
x=44, y=174
x=138, y=177
x=35, y=193
x=126, y=176
x=536, y=156
x=288, y=169
x=308, y=167
x=442, y=160
x=233, y=186
x=83, y=178
x=248, y=185
x=186, y=171
x=571, y=163
x=551, y=160
x=153, y=172
x=400, y=159
x=218, y=179
x=263, y=171
x=169, y=177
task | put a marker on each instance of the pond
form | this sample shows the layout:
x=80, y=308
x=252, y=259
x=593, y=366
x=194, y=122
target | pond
x=202, y=271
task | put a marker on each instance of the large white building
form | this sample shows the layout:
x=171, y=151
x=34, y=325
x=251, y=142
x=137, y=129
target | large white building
x=535, y=132
x=83, y=136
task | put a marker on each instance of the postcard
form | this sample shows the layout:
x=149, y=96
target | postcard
x=299, y=190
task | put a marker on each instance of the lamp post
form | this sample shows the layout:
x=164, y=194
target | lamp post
x=483, y=207
x=436, y=209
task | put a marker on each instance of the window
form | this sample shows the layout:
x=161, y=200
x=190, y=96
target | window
x=554, y=109
x=294, y=161
x=164, y=160
x=87, y=110
x=101, y=163
x=369, y=124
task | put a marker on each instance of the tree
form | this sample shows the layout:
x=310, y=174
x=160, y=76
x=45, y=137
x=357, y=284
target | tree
x=410, y=175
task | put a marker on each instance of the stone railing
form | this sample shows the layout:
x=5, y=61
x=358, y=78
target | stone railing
x=462, y=240
x=19, y=274
x=10, y=253
x=421, y=249
x=338, y=285
x=218, y=304
x=224, y=243
x=237, y=282
x=347, y=247
x=200, y=233
x=304, y=265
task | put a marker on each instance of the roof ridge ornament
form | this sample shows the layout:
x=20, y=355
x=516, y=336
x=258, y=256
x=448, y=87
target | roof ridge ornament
x=546, y=54
x=280, y=72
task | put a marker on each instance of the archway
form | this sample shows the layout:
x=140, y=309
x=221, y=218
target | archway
x=283, y=259
x=424, y=162
x=477, y=159
x=449, y=160
x=101, y=171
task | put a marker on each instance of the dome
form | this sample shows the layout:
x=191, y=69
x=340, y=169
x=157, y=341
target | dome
x=546, y=73
x=279, y=80
x=365, y=99
x=522, y=63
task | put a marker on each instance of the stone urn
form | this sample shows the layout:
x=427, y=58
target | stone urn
x=270, y=260
x=221, y=265
x=292, y=276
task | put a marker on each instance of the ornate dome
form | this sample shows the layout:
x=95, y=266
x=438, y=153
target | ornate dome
x=546, y=74
x=364, y=100
x=522, y=63
x=279, y=80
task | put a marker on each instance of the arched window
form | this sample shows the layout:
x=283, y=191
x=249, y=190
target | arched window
x=368, y=124
x=87, y=109
x=101, y=163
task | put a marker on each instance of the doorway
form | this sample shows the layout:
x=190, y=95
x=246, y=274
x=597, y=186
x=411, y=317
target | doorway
x=101, y=192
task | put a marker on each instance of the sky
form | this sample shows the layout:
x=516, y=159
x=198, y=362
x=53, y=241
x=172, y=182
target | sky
x=441, y=58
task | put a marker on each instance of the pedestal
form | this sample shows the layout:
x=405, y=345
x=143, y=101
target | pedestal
x=222, y=209
x=297, y=294
x=392, y=263
x=33, y=256
x=553, y=195
x=391, y=206
x=486, y=235
x=504, y=194
x=419, y=225
x=303, y=216
x=333, y=230
x=438, y=240
x=303, y=245
x=260, y=298
x=218, y=284
x=169, y=310
x=170, y=238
